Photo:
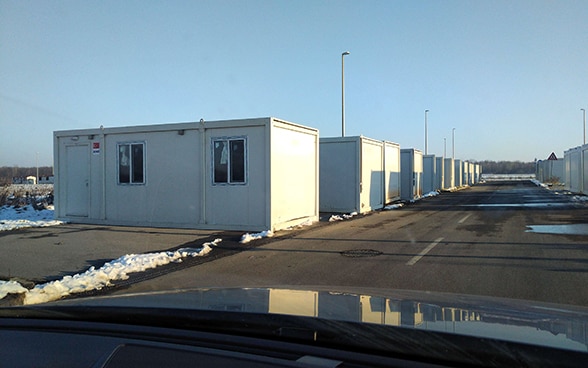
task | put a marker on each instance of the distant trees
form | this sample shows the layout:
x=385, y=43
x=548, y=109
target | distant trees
x=9, y=172
x=506, y=167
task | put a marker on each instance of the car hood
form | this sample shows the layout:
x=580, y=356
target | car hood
x=529, y=322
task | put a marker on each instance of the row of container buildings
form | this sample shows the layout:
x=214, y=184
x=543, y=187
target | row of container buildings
x=572, y=171
x=248, y=174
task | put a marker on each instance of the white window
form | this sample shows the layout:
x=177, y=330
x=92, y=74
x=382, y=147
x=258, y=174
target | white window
x=229, y=165
x=131, y=163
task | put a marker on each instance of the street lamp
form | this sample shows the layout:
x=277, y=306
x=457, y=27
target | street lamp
x=444, y=148
x=584, y=113
x=453, y=143
x=343, y=93
x=426, y=145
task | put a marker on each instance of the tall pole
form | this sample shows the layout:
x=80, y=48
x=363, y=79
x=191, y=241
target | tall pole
x=426, y=138
x=343, y=93
x=37, y=163
x=453, y=143
x=444, y=148
x=584, y=113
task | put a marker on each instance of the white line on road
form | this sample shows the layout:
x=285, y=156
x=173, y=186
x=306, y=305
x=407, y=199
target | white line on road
x=464, y=219
x=417, y=258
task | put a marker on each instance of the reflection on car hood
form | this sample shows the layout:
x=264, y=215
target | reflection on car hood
x=504, y=319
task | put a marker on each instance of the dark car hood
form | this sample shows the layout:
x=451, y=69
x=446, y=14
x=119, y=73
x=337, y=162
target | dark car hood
x=535, y=323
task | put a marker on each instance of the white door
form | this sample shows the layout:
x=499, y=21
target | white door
x=77, y=184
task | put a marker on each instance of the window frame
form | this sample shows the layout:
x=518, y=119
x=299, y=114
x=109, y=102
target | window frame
x=130, y=145
x=229, y=168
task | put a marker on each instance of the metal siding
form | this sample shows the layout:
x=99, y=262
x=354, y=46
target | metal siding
x=294, y=170
x=439, y=173
x=585, y=170
x=411, y=168
x=391, y=171
x=339, y=174
x=457, y=176
x=429, y=173
x=372, y=165
x=449, y=173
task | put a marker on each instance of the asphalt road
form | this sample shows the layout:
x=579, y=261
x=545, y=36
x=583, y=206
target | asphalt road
x=475, y=241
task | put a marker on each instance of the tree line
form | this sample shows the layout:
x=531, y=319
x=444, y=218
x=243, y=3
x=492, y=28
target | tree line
x=9, y=172
x=506, y=167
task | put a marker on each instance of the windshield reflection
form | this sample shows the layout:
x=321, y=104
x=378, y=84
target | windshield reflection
x=502, y=319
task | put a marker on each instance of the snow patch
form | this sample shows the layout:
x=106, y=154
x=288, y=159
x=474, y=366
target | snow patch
x=539, y=184
x=11, y=287
x=12, y=218
x=334, y=218
x=394, y=206
x=97, y=279
x=246, y=238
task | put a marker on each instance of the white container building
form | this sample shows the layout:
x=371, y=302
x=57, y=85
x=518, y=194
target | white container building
x=477, y=173
x=574, y=169
x=449, y=171
x=465, y=173
x=358, y=174
x=585, y=169
x=429, y=173
x=411, y=169
x=439, y=173
x=250, y=174
x=458, y=173
x=391, y=172
x=551, y=171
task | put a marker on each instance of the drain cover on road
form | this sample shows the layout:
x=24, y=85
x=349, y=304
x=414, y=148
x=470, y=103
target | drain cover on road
x=361, y=253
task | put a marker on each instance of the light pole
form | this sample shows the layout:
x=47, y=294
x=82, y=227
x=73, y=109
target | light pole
x=453, y=143
x=343, y=93
x=426, y=143
x=444, y=148
x=584, y=113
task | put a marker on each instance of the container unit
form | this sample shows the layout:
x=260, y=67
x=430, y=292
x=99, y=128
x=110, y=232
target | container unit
x=391, y=172
x=550, y=171
x=468, y=169
x=449, y=171
x=477, y=173
x=250, y=174
x=465, y=166
x=439, y=173
x=574, y=170
x=585, y=169
x=411, y=169
x=458, y=169
x=352, y=174
x=429, y=173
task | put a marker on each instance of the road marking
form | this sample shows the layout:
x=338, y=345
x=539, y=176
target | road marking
x=417, y=258
x=463, y=219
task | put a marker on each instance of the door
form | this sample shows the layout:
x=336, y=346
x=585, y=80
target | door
x=77, y=186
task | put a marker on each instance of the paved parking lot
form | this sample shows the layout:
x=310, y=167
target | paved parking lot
x=44, y=254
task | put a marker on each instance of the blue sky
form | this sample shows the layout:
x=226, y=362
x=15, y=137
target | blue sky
x=509, y=76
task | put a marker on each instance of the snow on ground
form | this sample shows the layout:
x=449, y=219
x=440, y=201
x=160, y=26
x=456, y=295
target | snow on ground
x=334, y=218
x=96, y=279
x=539, y=184
x=246, y=238
x=10, y=287
x=394, y=206
x=12, y=218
